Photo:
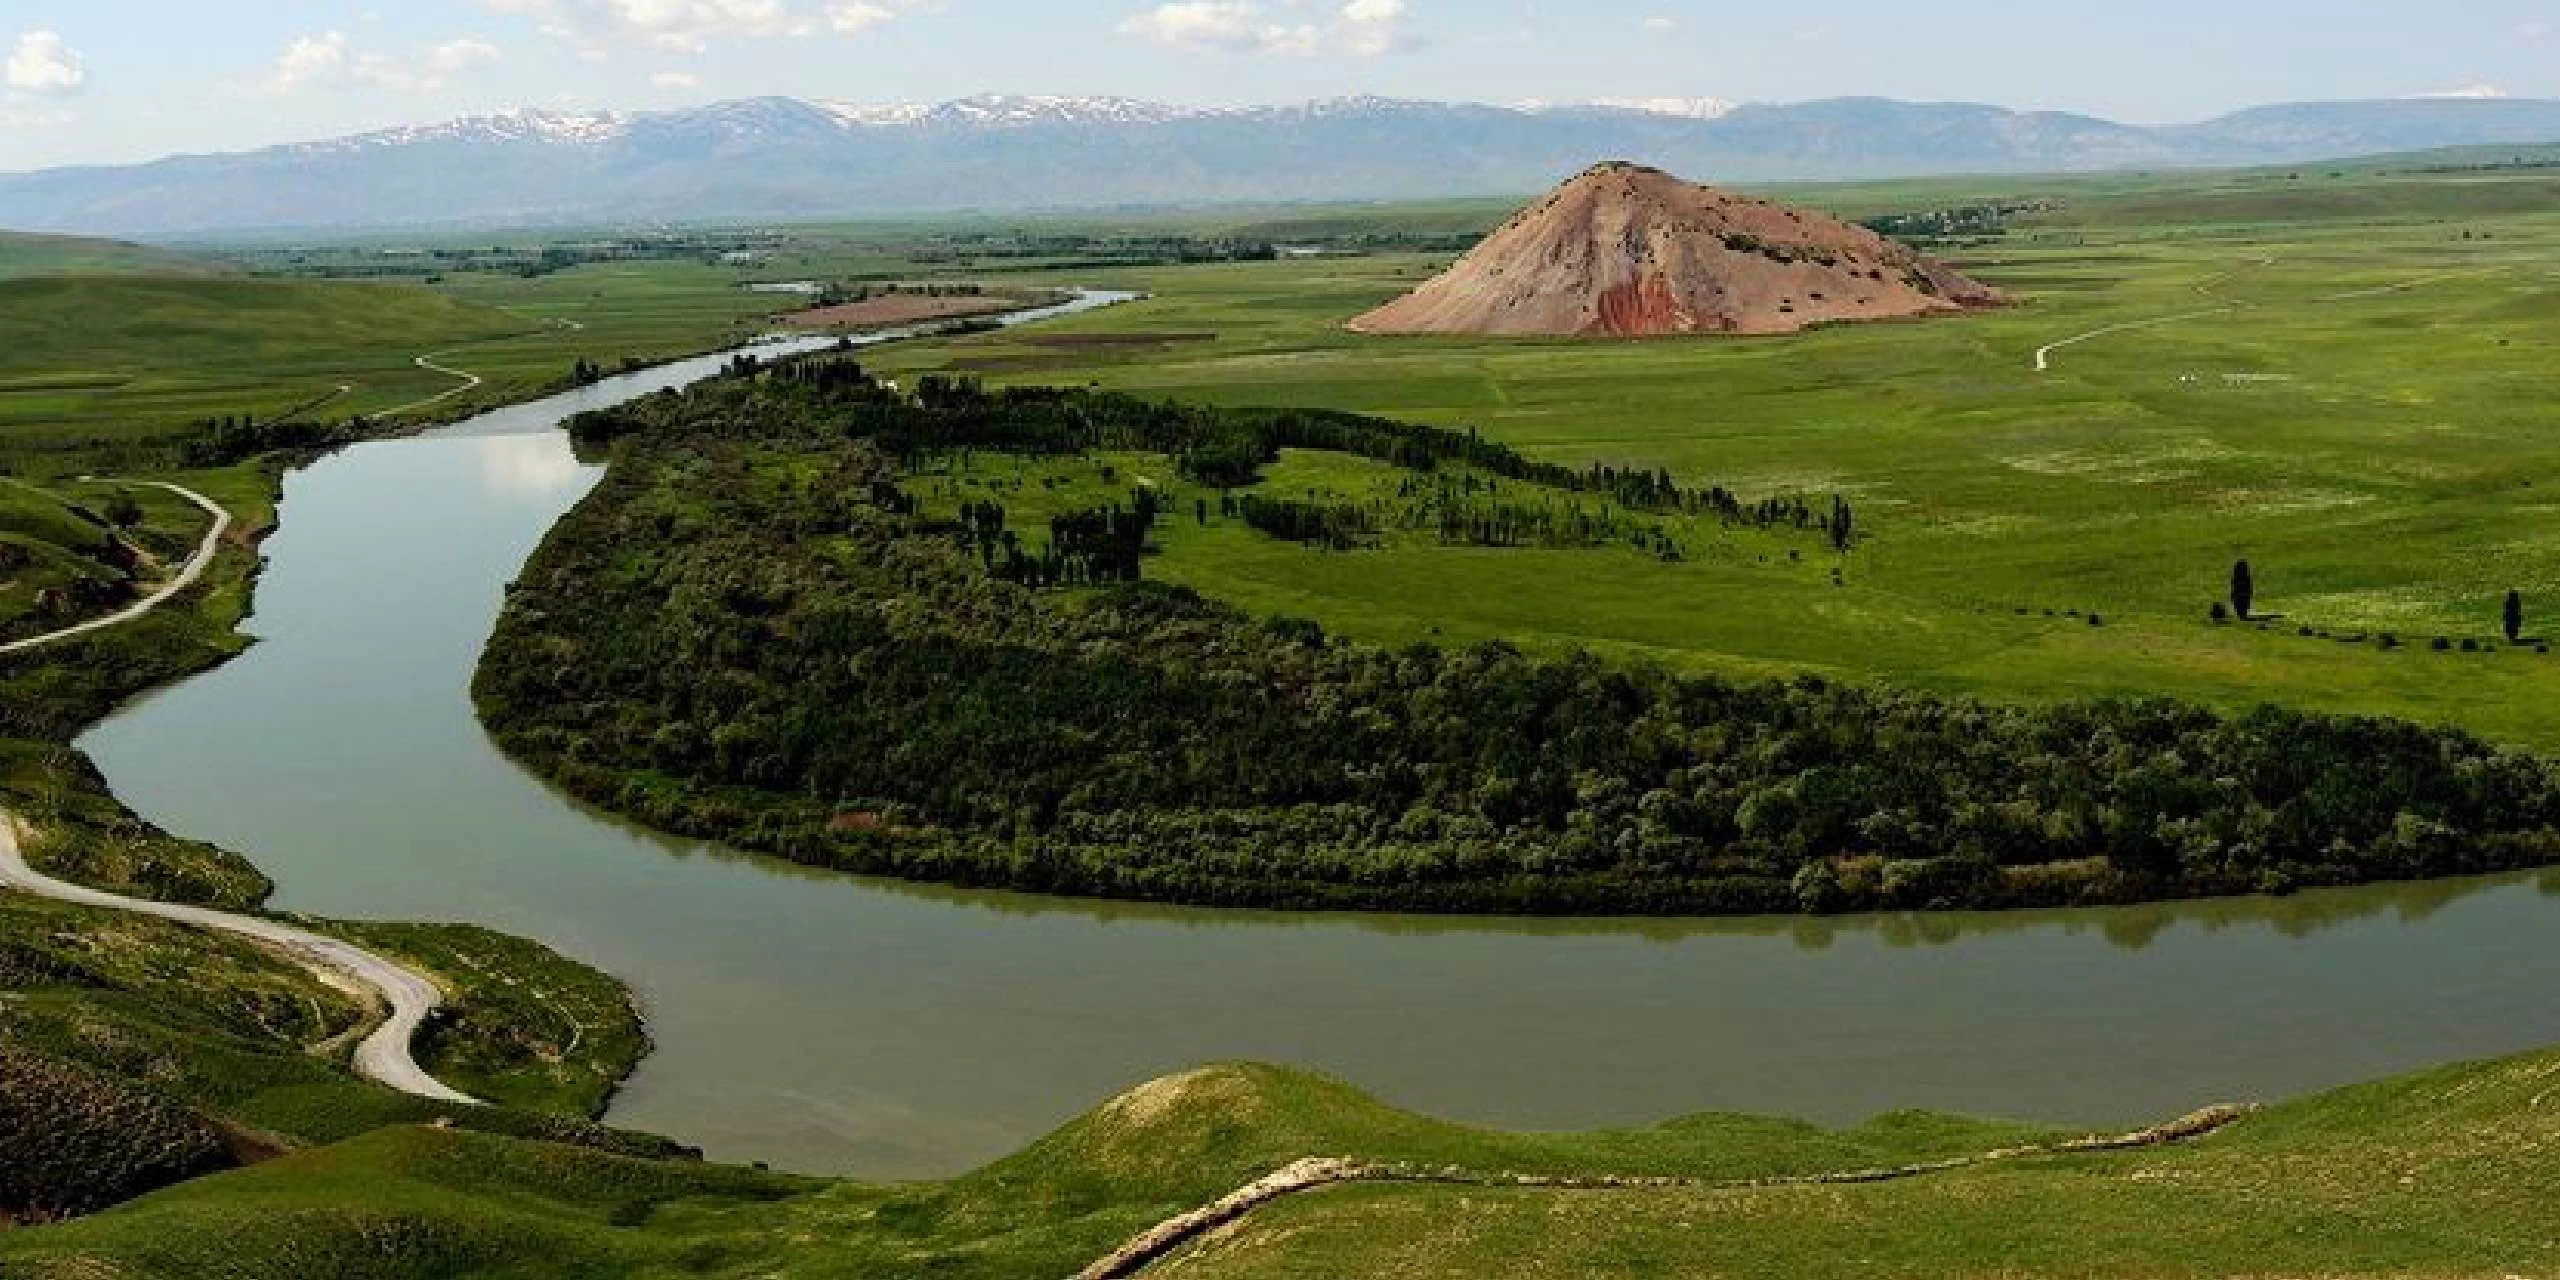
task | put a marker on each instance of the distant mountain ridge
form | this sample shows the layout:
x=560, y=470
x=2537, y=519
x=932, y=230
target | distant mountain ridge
x=778, y=158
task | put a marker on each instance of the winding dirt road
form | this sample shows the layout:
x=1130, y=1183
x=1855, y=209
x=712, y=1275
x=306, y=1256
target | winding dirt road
x=384, y=1055
x=2045, y=353
x=187, y=576
x=470, y=381
x=1304, y=1176
x=2205, y=288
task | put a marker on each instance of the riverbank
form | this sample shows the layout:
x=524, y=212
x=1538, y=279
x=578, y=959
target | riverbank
x=547, y=1039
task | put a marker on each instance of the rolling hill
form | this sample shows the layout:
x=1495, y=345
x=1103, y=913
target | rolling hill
x=23, y=255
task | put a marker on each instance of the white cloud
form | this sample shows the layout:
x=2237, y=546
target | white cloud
x=456, y=56
x=676, y=80
x=859, y=16
x=596, y=27
x=42, y=64
x=331, y=61
x=1231, y=25
x=1660, y=22
x=1359, y=29
x=2535, y=30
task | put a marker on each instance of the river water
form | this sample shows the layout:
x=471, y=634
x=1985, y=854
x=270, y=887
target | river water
x=830, y=1024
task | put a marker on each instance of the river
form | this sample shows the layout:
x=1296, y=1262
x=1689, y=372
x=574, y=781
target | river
x=830, y=1024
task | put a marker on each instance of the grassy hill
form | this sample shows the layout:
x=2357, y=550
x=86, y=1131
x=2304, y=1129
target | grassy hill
x=27, y=254
x=110, y=371
x=2441, y=1174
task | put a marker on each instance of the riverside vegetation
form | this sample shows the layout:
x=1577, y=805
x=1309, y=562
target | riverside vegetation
x=133, y=1054
x=759, y=628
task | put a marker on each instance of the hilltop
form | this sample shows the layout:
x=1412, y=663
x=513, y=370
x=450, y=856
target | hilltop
x=1628, y=251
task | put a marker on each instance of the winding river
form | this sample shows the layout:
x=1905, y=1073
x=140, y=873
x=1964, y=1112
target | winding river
x=832, y=1024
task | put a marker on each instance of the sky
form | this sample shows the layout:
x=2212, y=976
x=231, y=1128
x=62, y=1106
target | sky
x=113, y=81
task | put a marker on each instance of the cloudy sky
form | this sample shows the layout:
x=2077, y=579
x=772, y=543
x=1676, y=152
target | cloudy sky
x=117, y=80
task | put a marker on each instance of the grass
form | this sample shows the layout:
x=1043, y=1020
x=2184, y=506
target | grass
x=2362, y=426
x=2448, y=1172
x=2432, y=1175
x=22, y=254
x=527, y=1028
x=105, y=373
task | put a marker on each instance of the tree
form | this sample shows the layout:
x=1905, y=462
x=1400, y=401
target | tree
x=2244, y=590
x=2515, y=616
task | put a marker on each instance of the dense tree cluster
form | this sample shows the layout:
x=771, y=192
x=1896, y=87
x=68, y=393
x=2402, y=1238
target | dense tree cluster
x=1335, y=526
x=732, y=638
x=1219, y=447
x=220, y=442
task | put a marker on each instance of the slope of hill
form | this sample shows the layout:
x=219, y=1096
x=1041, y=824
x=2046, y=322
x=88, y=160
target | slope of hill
x=109, y=372
x=1628, y=252
x=781, y=157
x=2438, y=1174
x=24, y=255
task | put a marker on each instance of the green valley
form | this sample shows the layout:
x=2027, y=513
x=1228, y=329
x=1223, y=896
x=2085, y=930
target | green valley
x=1204, y=599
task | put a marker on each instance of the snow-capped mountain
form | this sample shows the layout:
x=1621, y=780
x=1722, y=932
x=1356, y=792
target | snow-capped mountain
x=773, y=158
x=998, y=109
x=525, y=124
x=1684, y=108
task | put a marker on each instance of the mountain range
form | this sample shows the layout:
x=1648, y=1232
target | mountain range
x=787, y=158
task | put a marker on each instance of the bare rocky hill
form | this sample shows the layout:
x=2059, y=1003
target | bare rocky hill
x=1631, y=252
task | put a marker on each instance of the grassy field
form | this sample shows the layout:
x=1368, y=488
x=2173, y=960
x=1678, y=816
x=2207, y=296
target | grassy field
x=35, y=255
x=2352, y=402
x=105, y=372
x=2441, y=1174
x=2421, y=1176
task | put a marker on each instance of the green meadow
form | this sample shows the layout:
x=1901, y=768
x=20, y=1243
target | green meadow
x=22, y=255
x=2344, y=380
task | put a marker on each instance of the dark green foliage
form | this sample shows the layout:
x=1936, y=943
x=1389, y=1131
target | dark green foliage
x=730, y=640
x=1219, y=447
x=1337, y=526
x=220, y=442
x=77, y=1140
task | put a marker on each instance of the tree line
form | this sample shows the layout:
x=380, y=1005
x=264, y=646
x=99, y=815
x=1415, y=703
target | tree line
x=727, y=646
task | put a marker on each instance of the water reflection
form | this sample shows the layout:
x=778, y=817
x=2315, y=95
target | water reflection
x=529, y=466
x=2133, y=928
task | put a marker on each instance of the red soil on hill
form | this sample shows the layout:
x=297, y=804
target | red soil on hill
x=1629, y=252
